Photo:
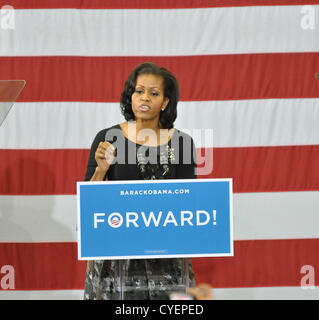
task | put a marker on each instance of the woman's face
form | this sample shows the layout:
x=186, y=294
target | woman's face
x=148, y=98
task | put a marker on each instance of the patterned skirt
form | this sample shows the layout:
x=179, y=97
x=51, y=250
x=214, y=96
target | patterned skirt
x=137, y=279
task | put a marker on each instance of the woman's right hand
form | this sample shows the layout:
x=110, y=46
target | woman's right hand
x=104, y=156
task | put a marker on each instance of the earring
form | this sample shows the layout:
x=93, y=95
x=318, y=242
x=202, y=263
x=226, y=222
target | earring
x=163, y=109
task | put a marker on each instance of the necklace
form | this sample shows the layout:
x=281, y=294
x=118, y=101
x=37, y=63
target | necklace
x=151, y=170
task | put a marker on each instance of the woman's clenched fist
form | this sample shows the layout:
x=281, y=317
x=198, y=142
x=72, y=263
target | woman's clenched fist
x=104, y=155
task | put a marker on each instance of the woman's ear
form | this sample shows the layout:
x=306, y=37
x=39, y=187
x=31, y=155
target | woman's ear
x=165, y=103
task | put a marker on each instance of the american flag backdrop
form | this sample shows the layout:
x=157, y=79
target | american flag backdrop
x=246, y=69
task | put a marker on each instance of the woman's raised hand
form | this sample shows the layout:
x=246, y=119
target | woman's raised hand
x=104, y=155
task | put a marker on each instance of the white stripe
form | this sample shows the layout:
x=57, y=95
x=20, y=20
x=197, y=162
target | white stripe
x=158, y=32
x=273, y=215
x=270, y=122
x=267, y=293
x=4, y=110
x=258, y=293
x=38, y=218
x=41, y=295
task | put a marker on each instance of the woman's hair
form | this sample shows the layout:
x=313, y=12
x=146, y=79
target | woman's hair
x=171, y=91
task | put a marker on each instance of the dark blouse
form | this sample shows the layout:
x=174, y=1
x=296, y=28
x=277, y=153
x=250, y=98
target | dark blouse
x=179, y=154
x=141, y=279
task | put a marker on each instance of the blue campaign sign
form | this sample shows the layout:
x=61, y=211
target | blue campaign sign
x=154, y=219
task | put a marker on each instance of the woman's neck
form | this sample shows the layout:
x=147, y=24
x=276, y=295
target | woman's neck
x=146, y=134
x=147, y=124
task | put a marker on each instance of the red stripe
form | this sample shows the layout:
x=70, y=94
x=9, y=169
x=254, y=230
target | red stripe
x=253, y=169
x=218, y=77
x=257, y=263
x=146, y=4
x=44, y=266
x=268, y=169
x=260, y=263
x=53, y=171
x=9, y=90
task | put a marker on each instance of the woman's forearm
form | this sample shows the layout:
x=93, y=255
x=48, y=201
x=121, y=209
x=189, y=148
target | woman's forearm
x=98, y=175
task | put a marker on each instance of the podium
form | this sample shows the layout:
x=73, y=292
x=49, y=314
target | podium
x=146, y=235
x=9, y=93
x=162, y=286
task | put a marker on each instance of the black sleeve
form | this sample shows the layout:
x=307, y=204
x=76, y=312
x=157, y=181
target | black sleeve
x=186, y=169
x=92, y=164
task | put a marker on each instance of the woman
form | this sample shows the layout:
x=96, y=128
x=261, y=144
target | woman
x=146, y=146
